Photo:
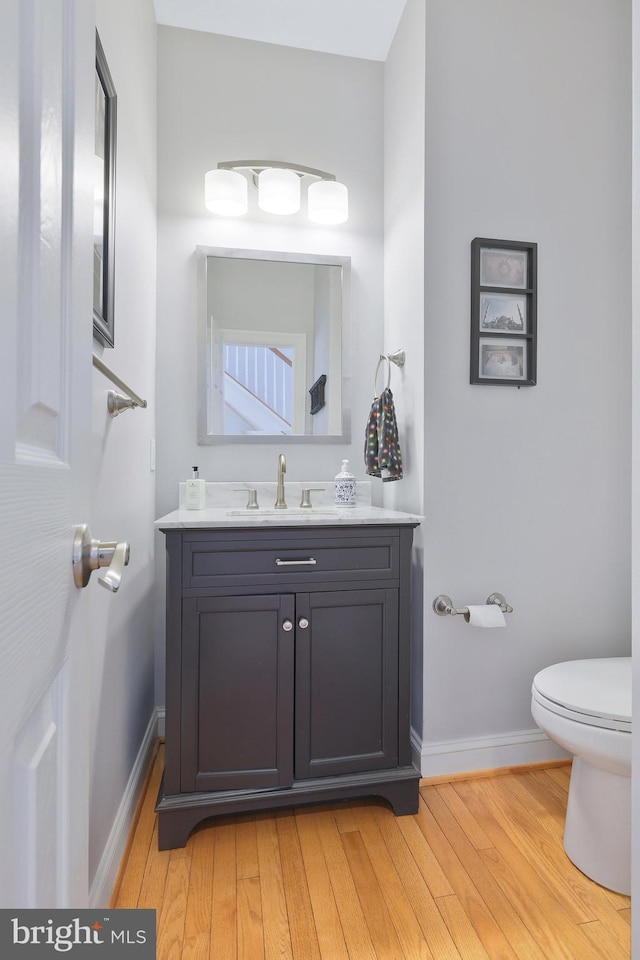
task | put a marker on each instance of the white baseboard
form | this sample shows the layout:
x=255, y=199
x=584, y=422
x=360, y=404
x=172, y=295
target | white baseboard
x=110, y=861
x=483, y=753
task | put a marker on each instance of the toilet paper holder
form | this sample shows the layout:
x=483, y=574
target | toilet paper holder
x=443, y=605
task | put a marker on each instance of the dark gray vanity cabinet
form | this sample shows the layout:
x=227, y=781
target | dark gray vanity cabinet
x=287, y=670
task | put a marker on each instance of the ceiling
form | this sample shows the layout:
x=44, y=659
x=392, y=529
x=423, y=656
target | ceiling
x=352, y=28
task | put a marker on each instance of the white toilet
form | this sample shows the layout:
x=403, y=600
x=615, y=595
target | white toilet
x=585, y=707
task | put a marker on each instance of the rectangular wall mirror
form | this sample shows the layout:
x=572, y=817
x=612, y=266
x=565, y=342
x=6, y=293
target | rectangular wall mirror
x=104, y=201
x=272, y=342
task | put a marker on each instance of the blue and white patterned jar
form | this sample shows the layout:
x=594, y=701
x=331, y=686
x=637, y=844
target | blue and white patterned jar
x=345, y=487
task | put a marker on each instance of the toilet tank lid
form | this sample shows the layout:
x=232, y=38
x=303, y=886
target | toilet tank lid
x=597, y=687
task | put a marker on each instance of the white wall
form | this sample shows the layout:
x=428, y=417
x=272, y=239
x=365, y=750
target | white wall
x=526, y=491
x=221, y=98
x=404, y=269
x=123, y=485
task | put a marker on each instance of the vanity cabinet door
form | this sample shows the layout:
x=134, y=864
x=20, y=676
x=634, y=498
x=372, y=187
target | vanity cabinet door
x=237, y=692
x=346, y=705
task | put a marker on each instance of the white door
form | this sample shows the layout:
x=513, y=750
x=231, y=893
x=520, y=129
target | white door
x=47, y=65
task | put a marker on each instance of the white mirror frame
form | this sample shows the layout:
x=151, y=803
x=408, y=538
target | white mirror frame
x=206, y=438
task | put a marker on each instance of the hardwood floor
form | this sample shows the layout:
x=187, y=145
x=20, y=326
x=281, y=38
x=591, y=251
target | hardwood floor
x=478, y=873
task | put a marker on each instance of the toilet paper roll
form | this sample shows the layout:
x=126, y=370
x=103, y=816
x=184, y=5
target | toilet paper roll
x=487, y=615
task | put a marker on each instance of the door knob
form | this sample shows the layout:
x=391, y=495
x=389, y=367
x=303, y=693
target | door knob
x=303, y=623
x=287, y=625
x=90, y=554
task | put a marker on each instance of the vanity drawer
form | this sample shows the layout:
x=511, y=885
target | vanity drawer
x=288, y=558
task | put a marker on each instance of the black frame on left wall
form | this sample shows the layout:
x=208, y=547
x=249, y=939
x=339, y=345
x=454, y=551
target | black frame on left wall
x=104, y=202
x=504, y=328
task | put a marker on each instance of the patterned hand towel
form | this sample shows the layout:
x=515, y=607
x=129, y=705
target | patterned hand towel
x=382, y=456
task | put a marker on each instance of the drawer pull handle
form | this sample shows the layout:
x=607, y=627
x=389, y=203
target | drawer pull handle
x=311, y=562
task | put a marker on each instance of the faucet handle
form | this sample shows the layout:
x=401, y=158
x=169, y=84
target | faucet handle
x=252, y=497
x=306, y=496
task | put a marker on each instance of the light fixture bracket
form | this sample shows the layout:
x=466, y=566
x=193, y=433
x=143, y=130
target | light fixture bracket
x=257, y=166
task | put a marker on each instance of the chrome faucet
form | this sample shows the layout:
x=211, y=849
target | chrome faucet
x=281, y=503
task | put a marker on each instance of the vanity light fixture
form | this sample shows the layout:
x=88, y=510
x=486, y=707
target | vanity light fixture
x=279, y=189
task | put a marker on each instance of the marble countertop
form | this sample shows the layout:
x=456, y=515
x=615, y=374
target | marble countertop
x=220, y=517
x=226, y=507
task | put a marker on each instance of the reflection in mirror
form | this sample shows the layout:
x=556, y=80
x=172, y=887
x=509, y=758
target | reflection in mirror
x=271, y=332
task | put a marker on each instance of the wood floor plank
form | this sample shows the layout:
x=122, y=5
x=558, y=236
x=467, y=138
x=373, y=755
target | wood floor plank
x=224, y=940
x=379, y=832
x=531, y=850
x=600, y=936
x=540, y=836
x=277, y=937
x=599, y=902
x=325, y=912
x=344, y=816
x=246, y=849
x=467, y=822
x=498, y=924
x=548, y=791
x=414, y=887
x=548, y=905
x=304, y=940
x=461, y=930
x=561, y=775
x=434, y=876
x=250, y=935
x=350, y=908
x=197, y=924
x=447, y=856
x=172, y=914
x=557, y=934
x=151, y=892
x=381, y=927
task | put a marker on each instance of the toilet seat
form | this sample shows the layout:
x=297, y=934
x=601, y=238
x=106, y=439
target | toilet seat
x=594, y=692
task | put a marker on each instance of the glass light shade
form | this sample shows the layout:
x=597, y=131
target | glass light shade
x=328, y=202
x=278, y=191
x=225, y=192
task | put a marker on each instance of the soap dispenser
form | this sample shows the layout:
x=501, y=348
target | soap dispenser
x=345, y=487
x=195, y=498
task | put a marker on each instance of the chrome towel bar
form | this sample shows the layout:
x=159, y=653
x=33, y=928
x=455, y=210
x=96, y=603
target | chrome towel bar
x=116, y=403
x=443, y=605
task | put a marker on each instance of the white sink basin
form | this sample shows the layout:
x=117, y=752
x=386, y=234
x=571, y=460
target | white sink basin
x=289, y=512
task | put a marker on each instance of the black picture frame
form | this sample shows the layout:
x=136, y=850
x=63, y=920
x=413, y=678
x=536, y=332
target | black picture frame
x=504, y=284
x=104, y=201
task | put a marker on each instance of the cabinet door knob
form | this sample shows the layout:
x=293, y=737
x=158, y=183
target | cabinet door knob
x=303, y=623
x=287, y=625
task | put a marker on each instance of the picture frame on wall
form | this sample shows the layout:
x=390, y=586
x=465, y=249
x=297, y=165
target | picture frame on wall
x=502, y=358
x=503, y=312
x=503, y=267
x=104, y=201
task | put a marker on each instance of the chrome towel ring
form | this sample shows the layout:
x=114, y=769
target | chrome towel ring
x=398, y=358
